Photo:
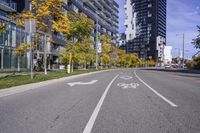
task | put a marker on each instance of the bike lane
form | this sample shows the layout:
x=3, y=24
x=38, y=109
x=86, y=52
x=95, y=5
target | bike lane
x=131, y=107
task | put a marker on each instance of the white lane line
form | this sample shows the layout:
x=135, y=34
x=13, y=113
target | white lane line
x=157, y=93
x=94, y=115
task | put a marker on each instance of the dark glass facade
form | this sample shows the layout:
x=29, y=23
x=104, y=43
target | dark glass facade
x=13, y=36
x=150, y=24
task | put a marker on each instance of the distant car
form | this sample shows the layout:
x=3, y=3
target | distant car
x=167, y=66
x=174, y=65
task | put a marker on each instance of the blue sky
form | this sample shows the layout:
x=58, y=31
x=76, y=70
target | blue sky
x=182, y=17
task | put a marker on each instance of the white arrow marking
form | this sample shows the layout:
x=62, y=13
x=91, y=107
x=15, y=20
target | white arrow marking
x=82, y=83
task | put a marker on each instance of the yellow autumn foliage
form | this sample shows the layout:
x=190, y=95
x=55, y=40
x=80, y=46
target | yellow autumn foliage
x=22, y=48
x=47, y=14
x=2, y=27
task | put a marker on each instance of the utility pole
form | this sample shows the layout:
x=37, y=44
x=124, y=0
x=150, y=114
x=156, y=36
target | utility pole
x=183, y=51
x=31, y=56
x=97, y=56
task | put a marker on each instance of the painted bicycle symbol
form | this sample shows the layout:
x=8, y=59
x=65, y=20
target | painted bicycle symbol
x=128, y=86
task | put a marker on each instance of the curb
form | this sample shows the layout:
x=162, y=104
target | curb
x=31, y=86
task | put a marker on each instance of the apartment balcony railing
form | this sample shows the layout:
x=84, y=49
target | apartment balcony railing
x=8, y=5
x=90, y=4
x=96, y=2
x=105, y=5
x=91, y=14
x=61, y=40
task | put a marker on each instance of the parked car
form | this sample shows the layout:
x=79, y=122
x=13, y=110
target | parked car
x=167, y=66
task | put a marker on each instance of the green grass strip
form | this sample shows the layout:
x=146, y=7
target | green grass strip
x=25, y=79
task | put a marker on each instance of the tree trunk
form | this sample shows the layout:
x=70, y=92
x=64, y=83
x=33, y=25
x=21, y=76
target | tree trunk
x=70, y=62
x=72, y=69
x=18, y=63
x=85, y=65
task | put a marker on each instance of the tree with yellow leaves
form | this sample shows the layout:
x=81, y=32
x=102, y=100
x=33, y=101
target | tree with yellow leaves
x=151, y=63
x=2, y=27
x=121, y=57
x=79, y=47
x=82, y=53
x=81, y=26
x=127, y=60
x=48, y=17
x=86, y=53
x=105, y=57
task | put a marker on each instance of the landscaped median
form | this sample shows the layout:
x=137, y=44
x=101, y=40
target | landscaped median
x=7, y=82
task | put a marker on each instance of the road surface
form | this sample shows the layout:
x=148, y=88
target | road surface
x=119, y=101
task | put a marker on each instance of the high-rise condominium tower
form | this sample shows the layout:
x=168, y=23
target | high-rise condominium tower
x=146, y=28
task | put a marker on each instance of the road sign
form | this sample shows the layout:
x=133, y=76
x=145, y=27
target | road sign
x=99, y=47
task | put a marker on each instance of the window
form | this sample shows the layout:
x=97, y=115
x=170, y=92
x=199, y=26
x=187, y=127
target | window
x=149, y=5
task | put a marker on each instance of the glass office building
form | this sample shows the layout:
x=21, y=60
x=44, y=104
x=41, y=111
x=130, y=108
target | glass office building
x=103, y=12
x=10, y=38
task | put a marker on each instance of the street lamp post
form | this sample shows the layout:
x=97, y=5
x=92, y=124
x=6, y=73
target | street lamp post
x=183, y=51
x=31, y=56
x=30, y=28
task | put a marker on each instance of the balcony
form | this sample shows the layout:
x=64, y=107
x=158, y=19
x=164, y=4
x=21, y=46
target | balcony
x=105, y=5
x=92, y=14
x=96, y=2
x=91, y=5
x=59, y=39
x=8, y=5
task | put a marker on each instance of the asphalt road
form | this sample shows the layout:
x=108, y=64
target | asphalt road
x=119, y=101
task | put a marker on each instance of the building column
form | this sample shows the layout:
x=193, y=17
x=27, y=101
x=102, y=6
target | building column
x=28, y=53
x=2, y=56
